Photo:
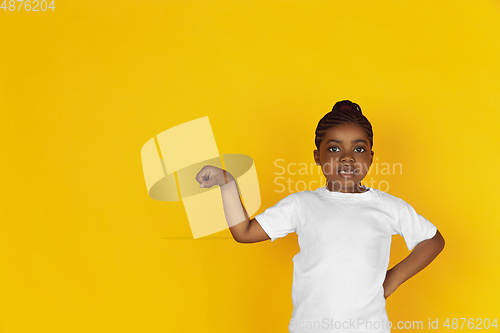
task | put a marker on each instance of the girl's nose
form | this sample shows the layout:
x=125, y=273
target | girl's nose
x=347, y=158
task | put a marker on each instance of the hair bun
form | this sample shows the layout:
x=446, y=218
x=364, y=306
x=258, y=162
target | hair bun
x=343, y=112
x=347, y=105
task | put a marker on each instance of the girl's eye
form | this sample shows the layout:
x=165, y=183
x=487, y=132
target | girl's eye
x=332, y=149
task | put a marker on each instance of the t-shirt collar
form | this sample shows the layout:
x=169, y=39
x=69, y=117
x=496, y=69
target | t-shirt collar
x=333, y=194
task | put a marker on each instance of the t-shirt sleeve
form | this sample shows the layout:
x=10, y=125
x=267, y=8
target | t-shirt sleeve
x=280, y=219
x=412, y=226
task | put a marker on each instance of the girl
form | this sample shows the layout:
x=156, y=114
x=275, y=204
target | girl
x=340, y=278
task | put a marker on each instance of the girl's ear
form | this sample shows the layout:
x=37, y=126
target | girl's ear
x=316, y=157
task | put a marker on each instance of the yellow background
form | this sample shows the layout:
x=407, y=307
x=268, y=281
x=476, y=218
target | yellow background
x=84, y=249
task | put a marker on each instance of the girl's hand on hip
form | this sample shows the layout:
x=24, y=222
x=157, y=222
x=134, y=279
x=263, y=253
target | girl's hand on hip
x=390, y=284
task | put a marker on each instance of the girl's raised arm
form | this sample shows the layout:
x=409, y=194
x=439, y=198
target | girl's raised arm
x=242, y=228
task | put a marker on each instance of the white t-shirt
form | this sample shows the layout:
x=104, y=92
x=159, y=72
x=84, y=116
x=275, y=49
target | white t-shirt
x=345, y=241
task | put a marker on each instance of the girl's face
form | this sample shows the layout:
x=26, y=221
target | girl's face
x=345, y=157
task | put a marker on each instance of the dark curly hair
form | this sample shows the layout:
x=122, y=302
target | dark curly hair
x=343, y=112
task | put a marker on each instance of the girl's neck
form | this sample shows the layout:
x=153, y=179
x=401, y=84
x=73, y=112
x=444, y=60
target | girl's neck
x=356, y=189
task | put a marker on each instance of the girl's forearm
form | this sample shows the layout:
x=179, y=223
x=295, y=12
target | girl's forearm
x=236, y=215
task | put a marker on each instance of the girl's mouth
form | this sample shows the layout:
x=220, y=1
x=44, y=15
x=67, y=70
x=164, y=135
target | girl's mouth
x=347, y=170
x=347, y=173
